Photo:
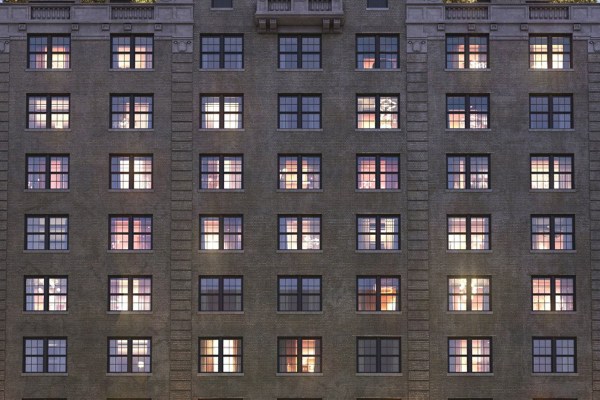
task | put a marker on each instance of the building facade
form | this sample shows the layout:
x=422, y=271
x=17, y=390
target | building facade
x=299, y=199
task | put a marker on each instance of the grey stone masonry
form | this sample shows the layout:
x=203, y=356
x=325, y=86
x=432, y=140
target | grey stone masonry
x=4, y=117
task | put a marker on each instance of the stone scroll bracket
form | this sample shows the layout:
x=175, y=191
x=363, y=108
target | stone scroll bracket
x=594, y=45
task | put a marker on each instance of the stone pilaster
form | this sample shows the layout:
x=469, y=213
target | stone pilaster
x=4, y=103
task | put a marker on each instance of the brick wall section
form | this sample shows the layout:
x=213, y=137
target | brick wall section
x=4, y=81
x=418, y=222
x=181, y=357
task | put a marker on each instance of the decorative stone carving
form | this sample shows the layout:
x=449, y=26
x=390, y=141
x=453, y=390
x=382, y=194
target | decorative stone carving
x=182, y=46
x=4, y=46
x=417, y=46
x=594, y=46
x=105, y=27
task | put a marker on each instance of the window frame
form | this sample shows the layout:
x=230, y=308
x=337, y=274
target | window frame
x=49, y=53
x=377, y=172
x=468, y=231
x=46, y=354
x=299, y=219
x=222, y=172
x=378, y=233
x=378, y=354
x=377, y=111
x=129, y=355
x=549, y=52
x=378, y=293
x=467, y=174
x=299, y=110
x=47, y=232
x=299, y=293
x=47, y=295
x=214, y=5
x=131, y=113
x=222, y=51
x=221, y=355
x=48, y=172
x=470, y=356
x=469, y=293
x=378, y=52
x=221, y=232
x=553, y=293
x=553, y=356
x=550, y=97
x=299, y=355
x=132, y=50
x=222, y=112
x=221, y=294
x=299, y=53
x=130, y=233
x=130, y=294
x=552, y=232
x=48, y=113
x=299, y=171
x=551, y=171
x=132, y=173
x=378, y=8
x=467, y=111
x=467, y=51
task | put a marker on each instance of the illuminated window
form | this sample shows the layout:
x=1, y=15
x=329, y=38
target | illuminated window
x=132, y=52
x=44, y=355
x=221, y=111
x=130, y=232
x=467, y=111
x=49, y=51
x=299, y=52
x=378, y=293
x=299, y=355
x=472, y=293
x=299, y=293
x=221, y=232
x=468, y=171
x=377, y=3
x=299, y=232
x=46, y=293
x=377, y=51
x=130, y=172
x=553, y=293
x=299, y=111
x=552, y=232
x=377, y=172
x=554, y=355
x=221, y=293
x=550, y=52
x=221, y=4
x=48, y=111
x=131, y=111
x=466, y=51
x=130, y=293
x=469, y=232
x=221, y=172
x=377, y=111
x=551, y=171
x=221, y=51
x=129, y=355
x=377, y=355
x=299, y=172
x=48, y=171
x=470, y=355
x=46, y=232
x=378, y=232
x=220, y=355
x=550, y=111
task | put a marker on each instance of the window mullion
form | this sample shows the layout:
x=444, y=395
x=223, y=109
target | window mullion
x=549, y=60
x=299, y=111
x=132, y=52
x=47, y=233
x=550, y=112
x=299, y=294
x=299, y=354
x=221, y=228
x=469, y=305
x=130, y=294
x=468, y=229
x=551, y=172
x=46, y=294
x=222, y=112
x=299, y=233
x=377, y=172
x=552, y=293
x=299, y=170
x=48, y=178
x=553, y=341
x=467, y=171
x=377, y=112
x=221, y=299
x=299, y=51
x=130, y=233
x=467, y=52
x=551, y=218
x=377, y=52
x=378, y=293
x=222, y=51
x=378, y=355
x=469, y=355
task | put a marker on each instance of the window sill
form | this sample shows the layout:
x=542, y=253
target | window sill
x=44, y=312
x=220, y=374
x=219, y=130
x=468, y=251
x=221, y=251
x=131, y=69
x=551, y=69
x=469, y=312
x=552, y=251
x=36, y=374
x=378, y=190
x=130, y=190
x=552, y=190
x=378, y=9
x=145, y=374
x=466, y=130
x=128, y=312
x=130, y=251
x=377, y=70
x=47, y=130
x=551, y=130
x=221, y=190
x=130, y=130
x=555, y=374
x=297, y=374
x=221, y=69
x=378, y=130
x=47, y=190
x=48, y=69
x=220, y=312
x=553, y=312
x=299, y=312
x=299, y=130
x=468, y=190
x=467, y=69
x=299, y=190
x=299, y=251
x=378, y=251
x=378, y=312
x=299, y=69
x=383, y=374
x=487, y=374
x=221, y=9
x=46, y=251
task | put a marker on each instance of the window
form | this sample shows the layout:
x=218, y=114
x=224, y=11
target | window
x=48, y=111
x=469, y=232
x=221, y=111
x=377, y=111
x=45, y=293
x=378, y=232
x=467, y=111
x=130, y=293
x=554, y=355
x=469, y=293
x=222, y=355
x=221, y=232
x=299, y=52
x=299, y=355
x=129, y=355
x=221, y=51
x=130, y=232
x=46, y=232
x=551, y=171
x=131, y=111
x=552, y=232
x=48, y=171
x=378, y=293
x=466, y=52
x=299, y=111
x=49, y=51
x=130, y=172
x=132, y=52
x=221, y=293
x=299, y=293
x=470, y=355
x=468, y=171
x=377, y=172
x=299, y=232
x=550, y=111
x=44, y=355
x=222, y=4
x=377, y=51
x=299, y=172
x=377, y=3
x=221, y=172
x=553, y=293
x=377, y=355
x=550, y=52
